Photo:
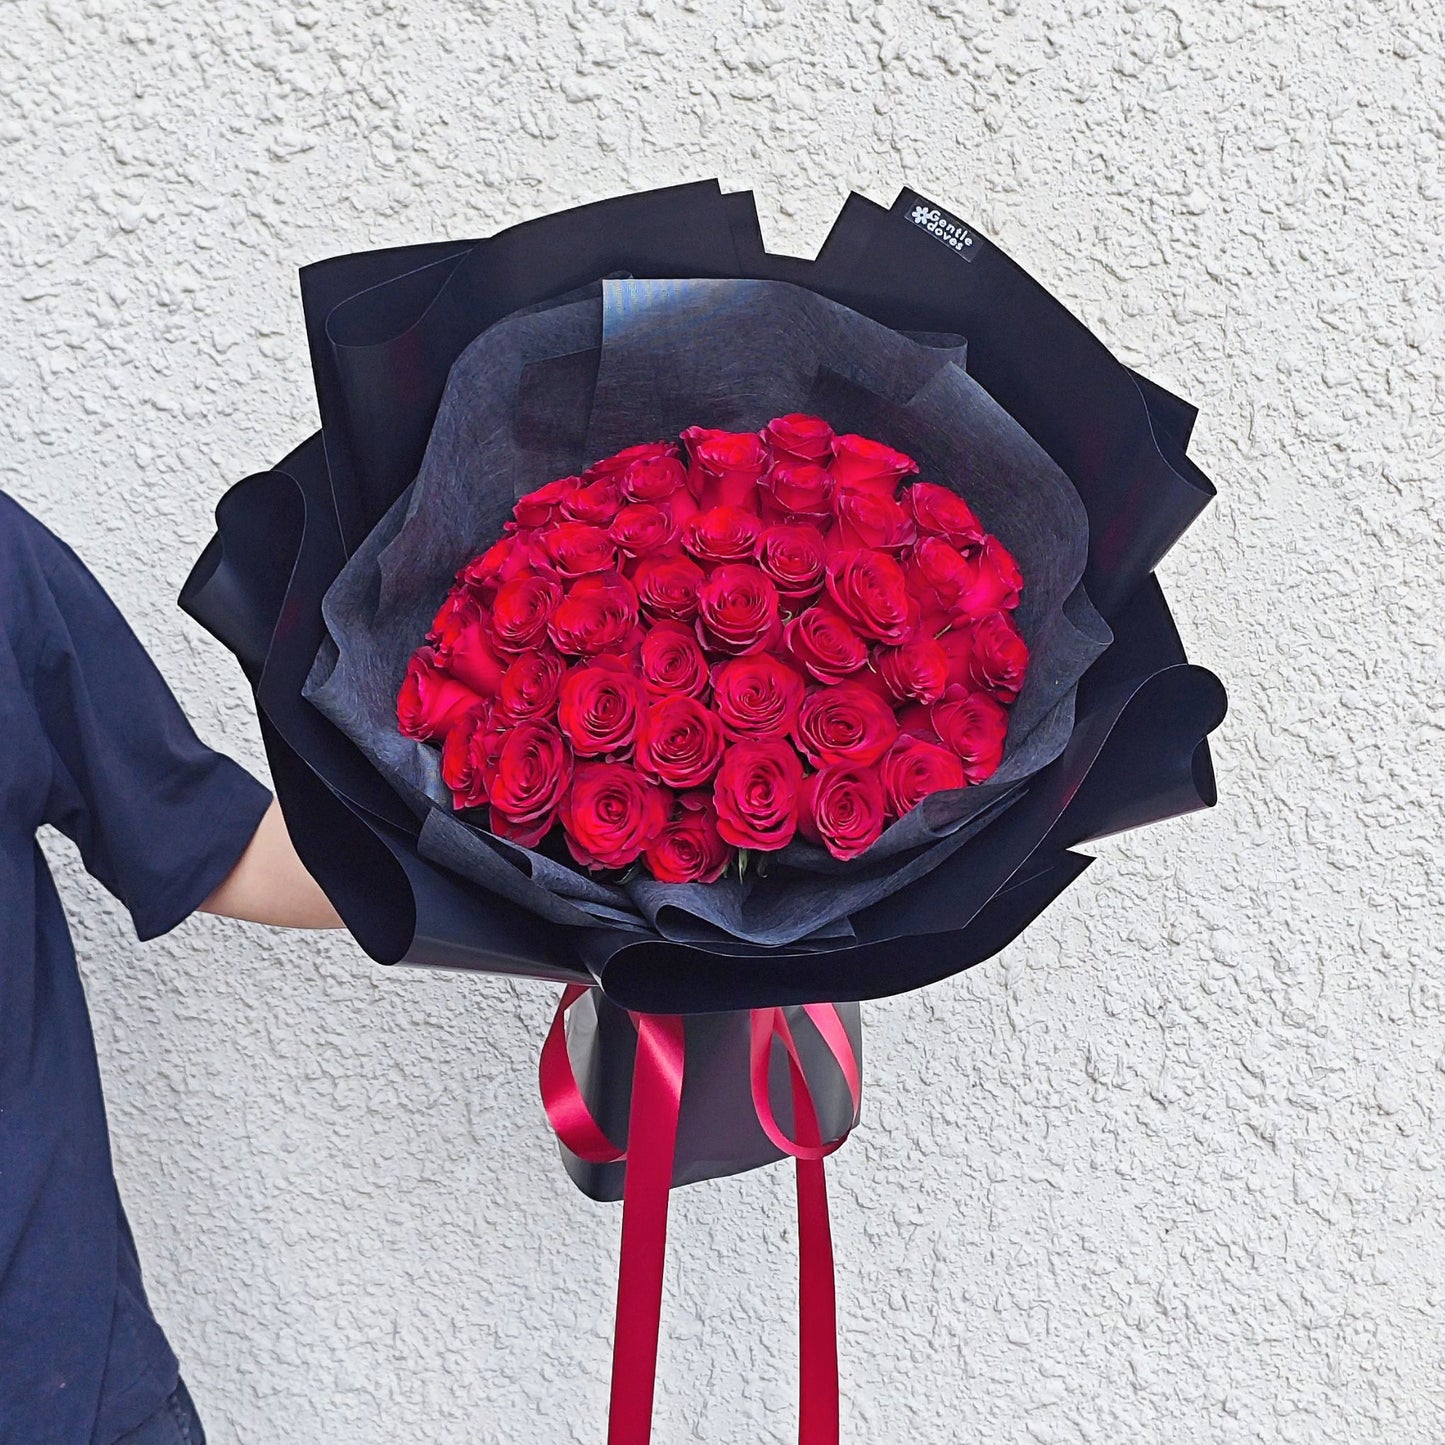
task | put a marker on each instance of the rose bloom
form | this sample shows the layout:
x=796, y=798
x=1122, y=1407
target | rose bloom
x=464, y=646
x=868, y=520
x=939, y=512
x=520, y=613
x=577, y=548
x=545, y=506
x=598, y=614
x=599, y=707
x=800, y=436
x=844, y=723
x=722, y=534
x=517, y=554
x=797, y=492
x=468, y=755
x=530, y=684
x=913, y=770
x=995, y=581
x=619, y=463
x=842, y=808
x=532, y=770
x=870, y=590
x=756, y=794
x=974, y=727
x=725, y=467
x=861, y=464
x=757, y=696
x=689, y=849
x=795, y=558
x=641, y=530
x=916, y=672
x=737, y=610
x=652, y=479
x=988, y=655
x=824, y=644
x=611, y=813
x=595, y=502
x=430, y=702
x=679, y=742
x=667, y=587
x=672, y=661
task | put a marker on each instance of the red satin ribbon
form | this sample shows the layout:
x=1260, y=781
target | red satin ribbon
x=651, y=1143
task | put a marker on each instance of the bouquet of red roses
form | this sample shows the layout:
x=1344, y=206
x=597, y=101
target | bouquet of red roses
x=701, y=647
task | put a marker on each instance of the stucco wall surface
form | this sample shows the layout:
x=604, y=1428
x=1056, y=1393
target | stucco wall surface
x=1170, y=1169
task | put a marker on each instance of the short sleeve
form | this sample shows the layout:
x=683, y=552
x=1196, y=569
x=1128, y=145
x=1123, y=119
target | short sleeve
x=159, y=818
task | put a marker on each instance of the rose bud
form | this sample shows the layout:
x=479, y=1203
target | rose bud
x=598, y=614
x=641, y=530
x=619, y=463
x=797, y=492
x=544, y=506
x=757, y=696
x=520, y=613
x=737, y=610
x=987, y=655
x=994, y=580
x=611, y=813
x=842, y=808
x=824, y=644
x=430, y=702
x=870, y=590
x=916, y=672
x=599, y=707
x=468, y=755
x=667, y=587
x=725, y=467
x=756, y=794
x=863, y=465
x=530, y=685
x=868, y=520
x=526, y=784
x=652, y=479
x=722, y=534
x=974, y=726
x=844, y=723
x=800, y=437
x=939, y=512
x=794, y=557
x=913, y=770
x=679, y=742
x=672, y=661
x=690, y=849
x=464, y=647
x=596, y=502
x=579, y=548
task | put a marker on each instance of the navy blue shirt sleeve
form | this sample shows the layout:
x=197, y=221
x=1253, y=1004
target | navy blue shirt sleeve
x=159, y=818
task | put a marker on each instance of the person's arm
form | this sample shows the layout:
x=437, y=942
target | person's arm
x=270, y=884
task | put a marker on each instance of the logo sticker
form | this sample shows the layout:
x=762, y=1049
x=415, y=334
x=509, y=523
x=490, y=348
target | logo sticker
x=954, y=234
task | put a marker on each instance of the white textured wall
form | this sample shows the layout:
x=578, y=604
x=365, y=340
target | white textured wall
x=1169, y=1170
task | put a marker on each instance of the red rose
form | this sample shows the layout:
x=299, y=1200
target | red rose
x=690, y=849
x=797, y=435
x=641, y=530
x=578, y=548
x=936, y=577
x=667, y=587
x=598, y=614
x=870, y=590
x=974, y=726
x=517, y=554
x=679, y=743
x=533, y=767
x=988, y=655
x=737, y=610
x=799, y=492
x=866, y=519
x=914, y=770
x=652, y=479
x=795, y=558
x=599, y=707
x=611, y=813
x=842, y=808
x=464, y=646
x=861, y=464
x=520, y=613
x=468, y=755
x=622, y=462
x=725, y=467
x=825, y=645
x=995, y=580
x=916, y=672
x=529, y=686
x=940, y=512
x=722, y=534
x=430, y=702
x=756, y=794
x=672, y=661
x=757, y=696
x=844, y=723
x=596, y=502
x=544, y=506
